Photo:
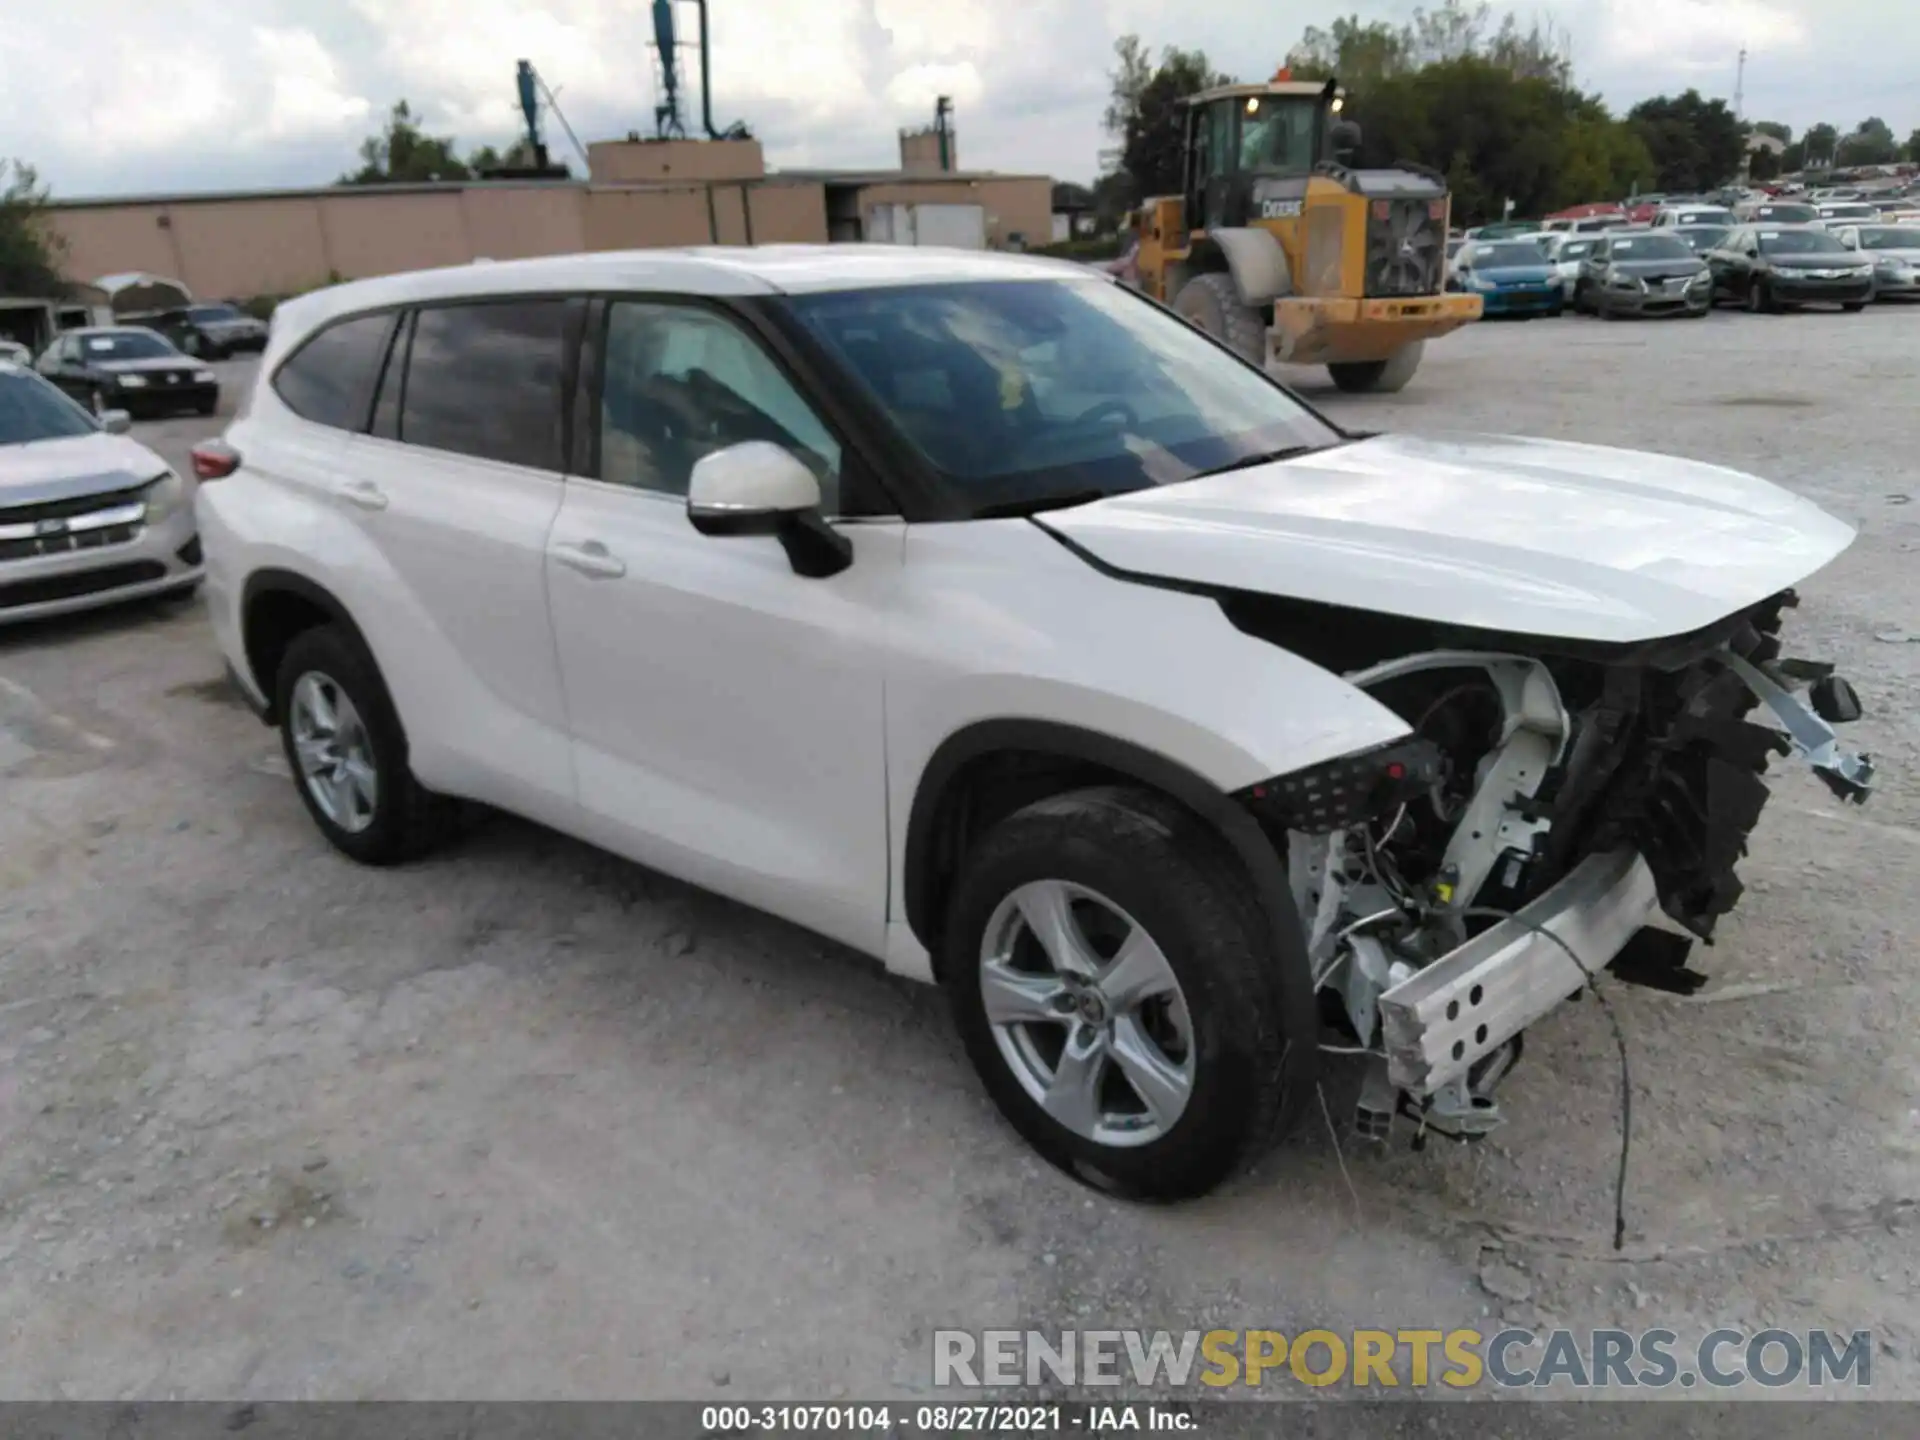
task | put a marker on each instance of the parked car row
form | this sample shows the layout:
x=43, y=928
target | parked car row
x=1686, y=269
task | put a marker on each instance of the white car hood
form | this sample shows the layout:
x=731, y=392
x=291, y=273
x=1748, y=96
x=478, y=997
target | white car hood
x=76, y=465
x=1537, y=537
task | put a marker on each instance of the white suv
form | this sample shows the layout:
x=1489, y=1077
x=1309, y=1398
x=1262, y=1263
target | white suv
x=979, y=613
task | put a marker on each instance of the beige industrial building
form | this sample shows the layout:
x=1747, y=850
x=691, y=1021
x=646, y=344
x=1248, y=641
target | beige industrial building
x=638, y=193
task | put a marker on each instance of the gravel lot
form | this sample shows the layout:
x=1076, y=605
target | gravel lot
x=526, y=1121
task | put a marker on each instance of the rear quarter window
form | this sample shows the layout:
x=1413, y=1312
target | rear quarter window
x=329, y=379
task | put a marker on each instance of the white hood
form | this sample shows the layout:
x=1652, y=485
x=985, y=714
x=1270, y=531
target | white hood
x=75, y=465
x=1535, y=537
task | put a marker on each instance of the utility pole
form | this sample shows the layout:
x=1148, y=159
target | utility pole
x=1740, y=83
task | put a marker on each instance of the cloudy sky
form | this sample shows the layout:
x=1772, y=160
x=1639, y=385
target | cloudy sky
x=109, y=97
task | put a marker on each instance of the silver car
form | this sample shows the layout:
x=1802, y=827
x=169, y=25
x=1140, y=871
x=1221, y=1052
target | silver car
x=1895, y=252
x=88, y=516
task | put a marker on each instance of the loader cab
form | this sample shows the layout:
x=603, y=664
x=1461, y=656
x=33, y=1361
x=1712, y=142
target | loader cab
x=1251, y=148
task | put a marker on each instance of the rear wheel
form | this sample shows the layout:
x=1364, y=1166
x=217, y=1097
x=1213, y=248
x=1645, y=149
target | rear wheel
x=1116, y=986
x=348, y=753
x=1212, y=303
x=1380, y=377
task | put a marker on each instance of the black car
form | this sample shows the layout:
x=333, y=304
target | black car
x=213, y=330
x=129, y=368
x=1642, y=272
x=1769, y=267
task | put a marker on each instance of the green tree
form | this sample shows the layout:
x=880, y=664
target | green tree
x=1782, y=133
x=1359, y=53
x=1695, y=143
x=1763, y=165
x=1913, y=145
x=403, y=154
x=30, y=250
x=1871, y=143
x=1146, y=115
x=1818, y=147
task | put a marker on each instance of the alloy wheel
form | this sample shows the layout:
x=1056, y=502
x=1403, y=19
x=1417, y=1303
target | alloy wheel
x=334, y=752
x=1087, y=1013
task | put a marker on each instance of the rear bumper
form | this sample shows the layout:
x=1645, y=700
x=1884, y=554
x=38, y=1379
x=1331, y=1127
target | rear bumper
x=1316, y=330
x=1473, y=1000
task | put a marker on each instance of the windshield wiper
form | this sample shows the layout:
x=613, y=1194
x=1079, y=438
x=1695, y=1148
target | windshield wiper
x=1247, y=462
x=1002, y=509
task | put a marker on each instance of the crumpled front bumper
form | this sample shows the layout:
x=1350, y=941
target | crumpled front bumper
x=1474, y=999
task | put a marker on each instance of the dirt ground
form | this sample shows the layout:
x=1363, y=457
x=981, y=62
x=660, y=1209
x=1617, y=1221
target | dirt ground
x=526, y=1121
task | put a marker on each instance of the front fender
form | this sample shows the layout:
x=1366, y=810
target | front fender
x=1257, y=263
x=1007, y=624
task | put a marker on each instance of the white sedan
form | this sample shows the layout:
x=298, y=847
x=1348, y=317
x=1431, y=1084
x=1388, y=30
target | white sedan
x=87, y=515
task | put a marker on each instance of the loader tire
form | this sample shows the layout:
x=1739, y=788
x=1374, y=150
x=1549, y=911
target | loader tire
x=1212, y=303
x=1379, y=377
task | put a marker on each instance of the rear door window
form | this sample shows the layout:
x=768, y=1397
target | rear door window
x=329, y=380
x=484, y=379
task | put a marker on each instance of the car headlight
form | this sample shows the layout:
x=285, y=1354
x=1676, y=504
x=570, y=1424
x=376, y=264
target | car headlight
x=1626, y=282
x=203, y=377
x=1699, y=279
x=163, y=496
x=130, y=382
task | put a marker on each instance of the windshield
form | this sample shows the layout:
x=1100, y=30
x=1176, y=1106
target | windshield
x=1849, y=212
x=1649, y=247
x=1499, y=257
x=1575, y=250
x=1798, y=242
x=1888, y=237
x=1704, y=237
x=1787, y=214
x=1704, y=217
x=213, y=312
x=31, y=409
x=1501, y=229
x=1277, y=134
x=125, y=345
x=1017, y=391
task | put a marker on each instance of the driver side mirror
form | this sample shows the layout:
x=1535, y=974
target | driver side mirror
x=116, y=422
x=757, y=488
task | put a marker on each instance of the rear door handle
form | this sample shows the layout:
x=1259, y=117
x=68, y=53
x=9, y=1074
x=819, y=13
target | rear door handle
x=363, y=493
x=592, y=559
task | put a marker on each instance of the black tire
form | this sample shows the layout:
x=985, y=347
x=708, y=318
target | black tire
x=407, y=819
x=1853, y=307
x=1212, y=303
x=1254, y=1032
x=1379, y=377
x=97, y=402
x=206, y=407
x=1760, y=299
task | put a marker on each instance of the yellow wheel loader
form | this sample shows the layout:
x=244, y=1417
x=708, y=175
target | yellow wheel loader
x=1282, y=252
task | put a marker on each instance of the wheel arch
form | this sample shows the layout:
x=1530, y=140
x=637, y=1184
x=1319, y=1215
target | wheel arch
x=275, y=606
x=1008, y=763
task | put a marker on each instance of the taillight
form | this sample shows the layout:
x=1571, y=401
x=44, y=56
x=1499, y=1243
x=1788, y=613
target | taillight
x=214, y=460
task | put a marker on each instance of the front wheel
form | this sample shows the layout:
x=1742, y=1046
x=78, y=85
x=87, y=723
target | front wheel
x=1760, y=299
x=1853, y=307
x=1379, y=377
x=1116, y=986
x=348, y=753
x=1212, y=303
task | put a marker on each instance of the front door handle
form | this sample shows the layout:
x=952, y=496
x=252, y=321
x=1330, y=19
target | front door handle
x=363, y=493
x=592, y=559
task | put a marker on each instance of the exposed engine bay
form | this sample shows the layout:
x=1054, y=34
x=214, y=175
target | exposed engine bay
x=1456, y=886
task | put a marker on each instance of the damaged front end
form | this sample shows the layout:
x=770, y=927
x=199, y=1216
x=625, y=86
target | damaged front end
x=1460, y=884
